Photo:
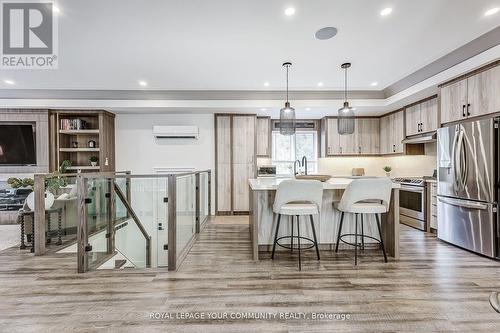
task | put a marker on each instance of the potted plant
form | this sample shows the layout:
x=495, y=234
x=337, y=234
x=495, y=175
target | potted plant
x=387, y=170
x=93, y=160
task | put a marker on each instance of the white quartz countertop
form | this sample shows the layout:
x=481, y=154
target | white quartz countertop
x=270, y=184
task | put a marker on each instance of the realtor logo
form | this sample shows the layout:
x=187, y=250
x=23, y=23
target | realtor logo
x=29, y=35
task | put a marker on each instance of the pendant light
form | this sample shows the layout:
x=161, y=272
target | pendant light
x=287, y=114
x=346, y=119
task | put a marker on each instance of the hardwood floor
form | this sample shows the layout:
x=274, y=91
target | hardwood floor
x=435, y=287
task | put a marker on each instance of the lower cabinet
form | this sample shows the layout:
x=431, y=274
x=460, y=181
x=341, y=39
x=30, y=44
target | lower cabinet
x=235, y=155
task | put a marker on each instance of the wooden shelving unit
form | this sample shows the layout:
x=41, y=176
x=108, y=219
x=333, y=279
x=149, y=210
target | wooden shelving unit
x=74, y=144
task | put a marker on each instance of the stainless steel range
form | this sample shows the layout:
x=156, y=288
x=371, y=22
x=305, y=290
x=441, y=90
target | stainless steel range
x=412, y=202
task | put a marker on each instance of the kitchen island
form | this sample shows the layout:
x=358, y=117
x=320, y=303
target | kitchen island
x=263, y=220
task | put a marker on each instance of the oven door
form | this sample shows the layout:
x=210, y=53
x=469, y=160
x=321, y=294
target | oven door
x=412, y=201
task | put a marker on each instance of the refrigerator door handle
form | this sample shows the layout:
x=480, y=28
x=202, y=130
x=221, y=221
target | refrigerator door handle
x=455, y=158
x=459, y=203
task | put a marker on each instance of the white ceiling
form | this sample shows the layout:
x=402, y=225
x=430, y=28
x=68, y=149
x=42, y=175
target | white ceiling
x=239, y=45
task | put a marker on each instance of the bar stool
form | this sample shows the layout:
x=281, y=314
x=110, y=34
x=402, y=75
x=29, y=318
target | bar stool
x=297, y=198
x=364, y=196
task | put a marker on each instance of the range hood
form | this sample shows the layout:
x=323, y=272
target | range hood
x=424, y=138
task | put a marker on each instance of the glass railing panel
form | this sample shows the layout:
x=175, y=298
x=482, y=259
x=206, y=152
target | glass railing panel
x=120, y=210
x=61, y=214
x=186, y=211
x=98, y=220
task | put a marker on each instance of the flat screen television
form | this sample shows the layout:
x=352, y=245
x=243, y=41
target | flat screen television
x=17, y=144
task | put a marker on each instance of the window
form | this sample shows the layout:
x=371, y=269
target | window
x=289, y=148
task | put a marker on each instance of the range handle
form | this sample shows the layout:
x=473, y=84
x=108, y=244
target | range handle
x=459, y=203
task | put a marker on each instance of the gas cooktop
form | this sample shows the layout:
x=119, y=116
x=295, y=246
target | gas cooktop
x=410, y=181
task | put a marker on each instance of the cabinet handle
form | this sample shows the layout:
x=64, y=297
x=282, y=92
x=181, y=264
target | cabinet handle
x=329, y=150
x=463, y=110
x=359, y=150
x=468, y=111
x=393, y=148
x=419, y=128
x=341, y=150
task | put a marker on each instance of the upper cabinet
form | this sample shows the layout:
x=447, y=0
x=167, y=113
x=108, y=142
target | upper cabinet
x=364, y=141
x=472, y=96
x=264, y=136
x=422, y=117
x=392, y=133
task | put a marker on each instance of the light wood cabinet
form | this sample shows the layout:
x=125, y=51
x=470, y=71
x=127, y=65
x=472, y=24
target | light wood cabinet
x=368, y=137
x=364, y=141
x=483, y=92
x=429, y=115
x=224, y=167
x=332, y=137
x=235, y=160
x=264, y=136
x=421, y=117
x=413, y=119
x=392, y=133
x=473, y=96
x=385, y=135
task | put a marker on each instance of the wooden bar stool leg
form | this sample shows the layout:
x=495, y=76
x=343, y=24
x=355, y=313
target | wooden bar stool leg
x=291, y=239
x=33, y=234
x=381, y=240
x=340, y=230
x=21, y=220
x=276, y=235
x=298, y=242
x=314, y=235
x=59, y=227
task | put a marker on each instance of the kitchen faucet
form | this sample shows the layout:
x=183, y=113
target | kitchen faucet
x=295, y=167
x=301, y=164
x=304, y=164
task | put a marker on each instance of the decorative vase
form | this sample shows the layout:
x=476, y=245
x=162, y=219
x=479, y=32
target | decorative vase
x=388, y=174
x=93, y=164
x=49, y=200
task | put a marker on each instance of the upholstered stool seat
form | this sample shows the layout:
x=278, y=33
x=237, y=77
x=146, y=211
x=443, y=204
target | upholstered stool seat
x=296, y=198
x=363, y=196
x=299, y=209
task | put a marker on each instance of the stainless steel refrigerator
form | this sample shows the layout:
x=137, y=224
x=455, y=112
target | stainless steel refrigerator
x=467, y=191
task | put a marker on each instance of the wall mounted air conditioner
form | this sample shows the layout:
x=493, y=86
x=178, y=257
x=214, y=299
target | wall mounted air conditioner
x=176, y=132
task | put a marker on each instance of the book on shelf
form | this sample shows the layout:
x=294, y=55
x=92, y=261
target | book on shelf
x=73, y=124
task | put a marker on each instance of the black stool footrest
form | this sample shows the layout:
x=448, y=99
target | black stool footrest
x=360, y=244
x=295, y=247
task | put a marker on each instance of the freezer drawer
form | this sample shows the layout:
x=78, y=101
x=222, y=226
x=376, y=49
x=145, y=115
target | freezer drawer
x=468, y=224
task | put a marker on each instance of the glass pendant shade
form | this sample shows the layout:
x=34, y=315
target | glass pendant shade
x=287, y=114
x=287, y=120
x=346, y=120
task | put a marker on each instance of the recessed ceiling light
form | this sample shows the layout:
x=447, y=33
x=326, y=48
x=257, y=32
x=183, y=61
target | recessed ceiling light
x=263, y=109
x=9, y=82
x=308, y=109
x=266, y=84
x=142, y=83
x=374, y=84
x=386, y=11
x=290, y=11
x=320, y=84
x=56, y=9
x=491, y=11
x=325, y=33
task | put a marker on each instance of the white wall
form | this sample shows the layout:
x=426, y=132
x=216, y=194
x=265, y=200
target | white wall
x=138, y=151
